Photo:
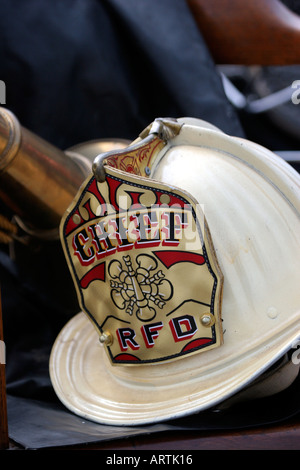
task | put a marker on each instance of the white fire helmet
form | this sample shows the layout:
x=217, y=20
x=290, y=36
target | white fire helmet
x=185, y=254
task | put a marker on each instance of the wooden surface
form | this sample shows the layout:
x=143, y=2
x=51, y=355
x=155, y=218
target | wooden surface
x=3, y=408
x=280, y=437
x=284, y=437
x=256, y=32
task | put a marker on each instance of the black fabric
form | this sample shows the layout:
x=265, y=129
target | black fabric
x=75, y=71
x=81, y=69
x=293, y=5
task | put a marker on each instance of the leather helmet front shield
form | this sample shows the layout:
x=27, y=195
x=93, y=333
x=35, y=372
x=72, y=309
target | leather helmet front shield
x=144, y=268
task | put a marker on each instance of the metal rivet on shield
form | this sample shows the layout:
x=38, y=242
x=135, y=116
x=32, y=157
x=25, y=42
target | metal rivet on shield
x=207, y=319
x=164, y=199
x=106, y=338
x=76, y=219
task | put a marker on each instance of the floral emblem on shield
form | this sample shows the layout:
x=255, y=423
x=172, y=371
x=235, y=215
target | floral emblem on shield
x=139, y=289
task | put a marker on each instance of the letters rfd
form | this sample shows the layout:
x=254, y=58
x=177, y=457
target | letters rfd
x=182, y=328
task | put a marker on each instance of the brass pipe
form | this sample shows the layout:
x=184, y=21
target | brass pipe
x=37, y=180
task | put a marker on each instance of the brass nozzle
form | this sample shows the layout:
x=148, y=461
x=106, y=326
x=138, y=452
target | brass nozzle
x=37, y=180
